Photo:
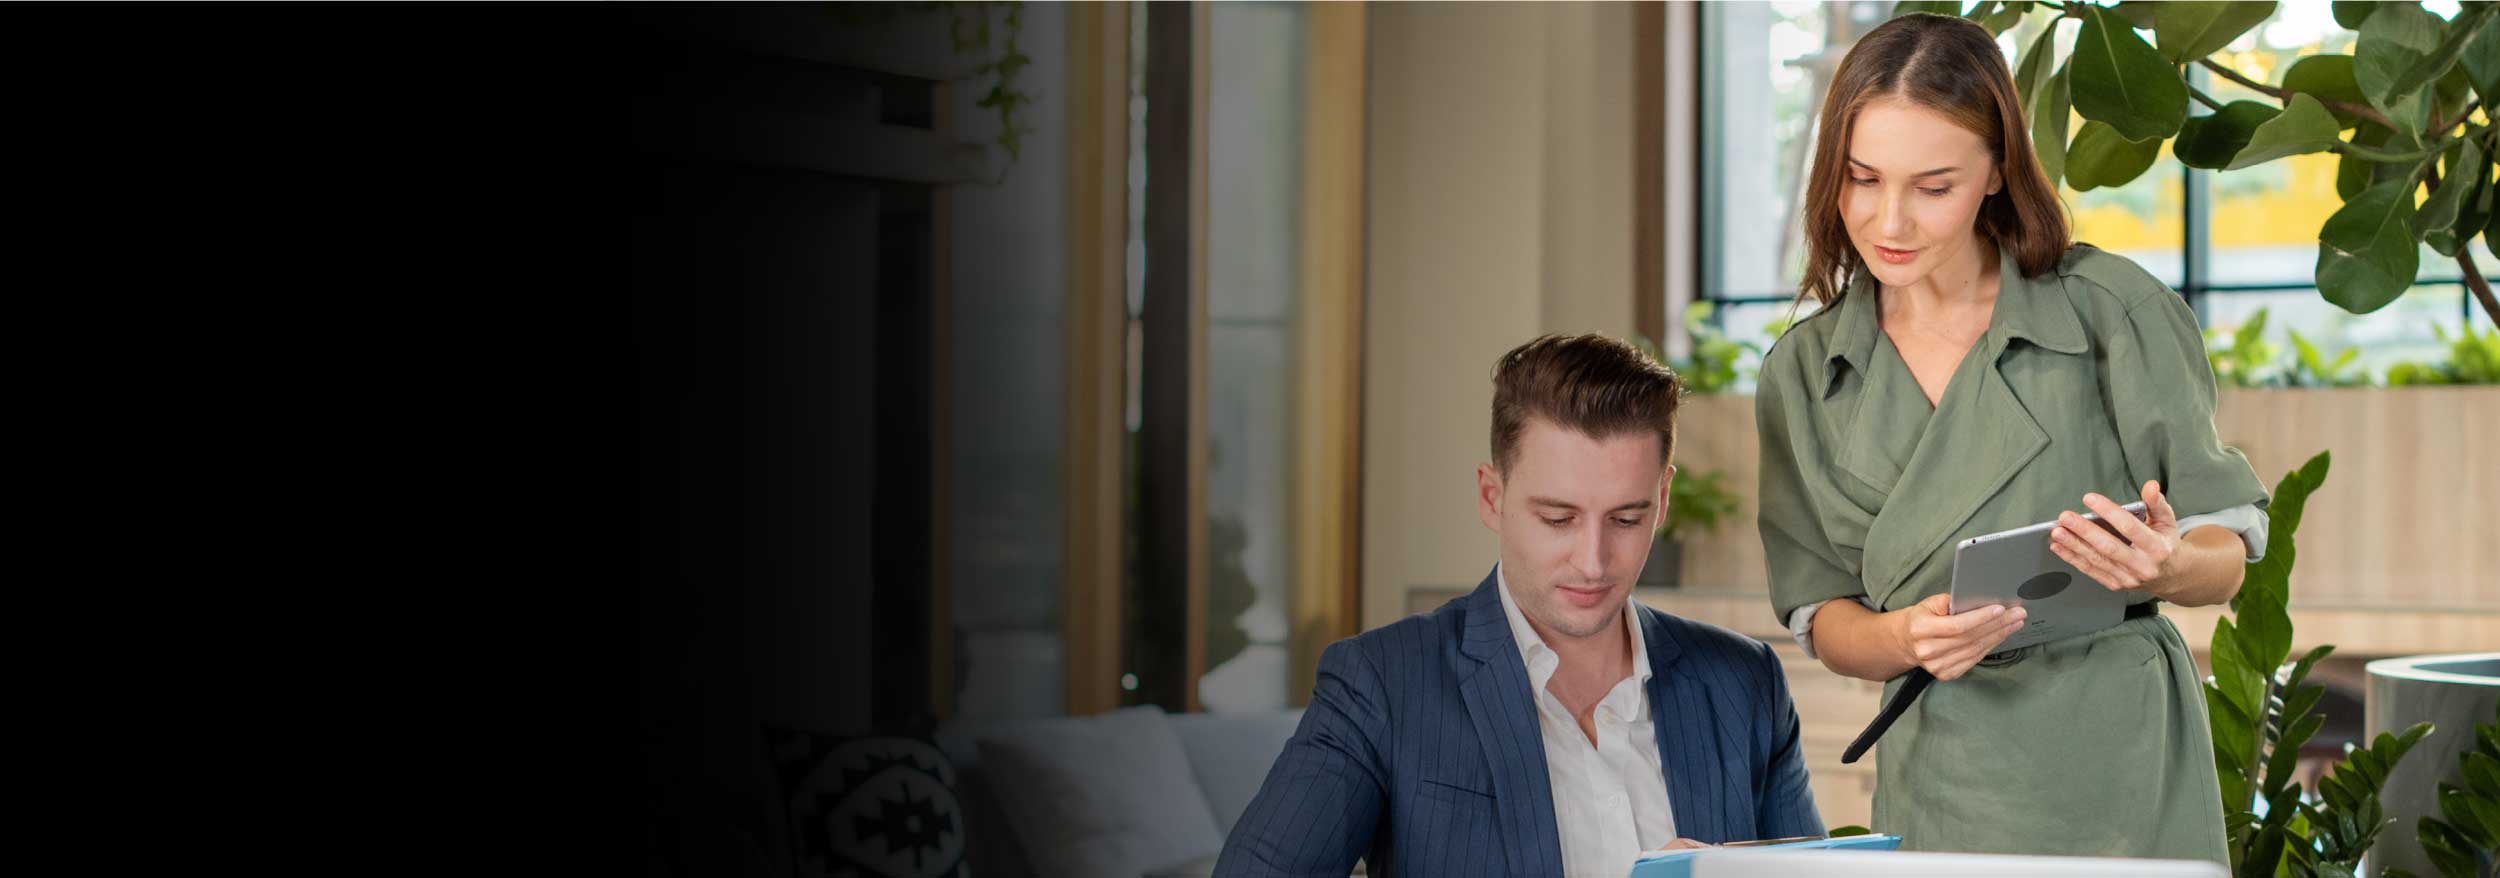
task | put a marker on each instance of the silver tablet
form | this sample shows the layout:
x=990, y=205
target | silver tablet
x=2015, y=568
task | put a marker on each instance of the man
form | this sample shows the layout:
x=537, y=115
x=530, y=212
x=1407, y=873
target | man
x=1544, y=724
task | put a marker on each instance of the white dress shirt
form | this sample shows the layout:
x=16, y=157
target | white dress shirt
x=1610, y=800
x=2246, y=520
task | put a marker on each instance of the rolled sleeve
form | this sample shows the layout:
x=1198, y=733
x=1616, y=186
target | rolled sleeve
x=2246, y=520
x=1801, y=622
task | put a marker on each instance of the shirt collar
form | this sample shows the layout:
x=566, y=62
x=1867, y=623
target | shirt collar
x=1541, y=659
x=2033, y=309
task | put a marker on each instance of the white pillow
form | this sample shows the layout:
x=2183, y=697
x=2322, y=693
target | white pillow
x=1109, y=795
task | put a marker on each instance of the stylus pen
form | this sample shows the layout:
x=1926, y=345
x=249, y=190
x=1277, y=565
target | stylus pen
x=1912, y=684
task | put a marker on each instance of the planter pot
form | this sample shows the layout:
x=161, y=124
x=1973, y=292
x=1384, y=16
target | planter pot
x=1665, y=567
x=2453, y=692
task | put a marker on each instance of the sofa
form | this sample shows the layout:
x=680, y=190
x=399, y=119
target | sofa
x=1134, y=792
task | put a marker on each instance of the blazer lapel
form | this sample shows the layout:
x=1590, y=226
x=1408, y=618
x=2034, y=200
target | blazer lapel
x=1498, y=701
x=1687, y=729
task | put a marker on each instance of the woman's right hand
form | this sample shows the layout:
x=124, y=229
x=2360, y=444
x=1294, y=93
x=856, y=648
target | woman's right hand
x=1932, y=636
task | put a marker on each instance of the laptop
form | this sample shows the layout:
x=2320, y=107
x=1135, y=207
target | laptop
x=1867, y=864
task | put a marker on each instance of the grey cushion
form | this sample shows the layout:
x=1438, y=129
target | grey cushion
x=1193, y=869
x=1231, y=756
x=1109, y=795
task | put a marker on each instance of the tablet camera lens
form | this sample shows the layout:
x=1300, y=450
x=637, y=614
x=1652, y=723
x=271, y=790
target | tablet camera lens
x=2044, y=586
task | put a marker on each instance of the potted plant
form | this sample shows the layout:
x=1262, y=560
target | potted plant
x=2467, y=844
x=2473, y=358
x=1697, y=500
x=2261, y=712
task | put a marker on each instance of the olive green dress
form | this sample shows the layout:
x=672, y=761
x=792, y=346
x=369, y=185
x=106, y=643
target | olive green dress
x=2091, y=377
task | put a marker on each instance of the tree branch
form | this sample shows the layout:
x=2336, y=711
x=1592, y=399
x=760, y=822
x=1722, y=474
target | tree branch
x=2203, y=98
x=2365, y=112
x=2462, y=116
x=2371, y=155
x=2474, y=281
x=2472, y=274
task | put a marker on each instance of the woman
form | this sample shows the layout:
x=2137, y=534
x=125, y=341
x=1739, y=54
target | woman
x=1970, y=372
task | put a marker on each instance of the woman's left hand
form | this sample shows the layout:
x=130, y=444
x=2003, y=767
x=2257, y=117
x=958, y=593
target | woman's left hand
x=2141, y=556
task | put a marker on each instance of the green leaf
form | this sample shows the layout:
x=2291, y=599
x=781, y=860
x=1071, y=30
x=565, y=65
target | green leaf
x=2440, y=211
x=2033, y=71
x=2000, y=21
x=2402, y=743
x=2122, y=81
x=2100, y=156
x=2327, y=78
x=2412, y=115
x=2303, y=127
x=2234, y=736
x=2366, y=252
x=2141, y=14
x=2355, y=174
x=2210, y=141
x=2300, y=672
x=2482, y=64
x=2481, y=772
x=2191, y=30
x=1939, y=7
x=2443, y=54
x=2048, y=126
x=2455, y=91
x=2475, y=204
x=2265, y=630
x=2351, y=13
x=2286, y=755
x=2391, y=45
x=2491, y=226
x=1850, y=830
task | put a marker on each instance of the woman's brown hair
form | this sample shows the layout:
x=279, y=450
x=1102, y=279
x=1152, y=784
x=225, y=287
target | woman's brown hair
x=1952, y=66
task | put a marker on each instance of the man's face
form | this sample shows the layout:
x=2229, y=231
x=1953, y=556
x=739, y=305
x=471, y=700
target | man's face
x=1575, y=516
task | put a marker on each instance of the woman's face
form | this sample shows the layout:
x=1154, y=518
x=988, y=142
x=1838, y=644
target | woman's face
x=1914, y=186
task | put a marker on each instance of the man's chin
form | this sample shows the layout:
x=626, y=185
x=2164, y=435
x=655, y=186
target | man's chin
x=1582, y=621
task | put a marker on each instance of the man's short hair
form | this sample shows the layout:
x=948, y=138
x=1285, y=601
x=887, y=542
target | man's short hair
x=1595, y=384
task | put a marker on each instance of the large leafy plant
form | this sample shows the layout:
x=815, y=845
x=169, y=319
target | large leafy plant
x=2467, y=844
x=1712, y=366
x=1696, y=499
x=2473, y=358
x=2262, y=712
x=2242, y=357
x=2410, y=114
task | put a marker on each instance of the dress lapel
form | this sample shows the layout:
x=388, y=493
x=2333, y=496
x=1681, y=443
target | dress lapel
x=1498, y=702
x=1977, y=439
x=1881, y=420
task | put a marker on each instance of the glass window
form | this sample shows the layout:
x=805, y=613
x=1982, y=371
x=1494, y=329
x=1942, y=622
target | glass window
x=1254, y=149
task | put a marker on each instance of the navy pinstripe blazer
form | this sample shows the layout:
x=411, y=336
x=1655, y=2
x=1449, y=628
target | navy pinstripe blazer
x=1421, y=751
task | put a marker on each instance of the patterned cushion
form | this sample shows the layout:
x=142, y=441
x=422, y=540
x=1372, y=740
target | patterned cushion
x=868, y=806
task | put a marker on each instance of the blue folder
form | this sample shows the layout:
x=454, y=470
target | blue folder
x=1679, y=864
